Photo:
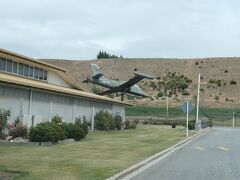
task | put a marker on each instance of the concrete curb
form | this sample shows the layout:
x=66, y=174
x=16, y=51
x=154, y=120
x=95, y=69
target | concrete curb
x=149, y=160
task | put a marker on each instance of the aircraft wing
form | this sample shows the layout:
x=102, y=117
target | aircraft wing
x=131, y=82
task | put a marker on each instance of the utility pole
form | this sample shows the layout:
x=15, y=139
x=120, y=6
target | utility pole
x=233, y=118
x=187, y=120
x=198, y=92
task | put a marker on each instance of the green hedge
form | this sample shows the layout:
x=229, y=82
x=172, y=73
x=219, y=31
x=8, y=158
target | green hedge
x=104, y=120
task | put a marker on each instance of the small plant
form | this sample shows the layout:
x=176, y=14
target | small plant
x=4, y=117
x=196, y=63
x=19, y=130
x=226, y=71
x=191, y=124
x=118, y=122
x=130, y=124
x=160, y=94
x=232, y=82
x=95, y=90
x=216, y=98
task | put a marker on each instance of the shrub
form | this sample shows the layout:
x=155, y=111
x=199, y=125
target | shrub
x=232, y=82
x=196, y=63
x=216, y=98
x=191, y=124
x=226, y=71
x=84, y=126
x=103, y=120
x=118, y=122
x=4, y=116
x=44, y=132
x=77, y=132
x=211, y=81
x=130, y=125
x=19, y=130
x=160, y=94
x=57, y=119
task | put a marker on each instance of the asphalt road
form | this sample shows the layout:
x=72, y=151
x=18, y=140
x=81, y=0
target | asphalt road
x=213, y=156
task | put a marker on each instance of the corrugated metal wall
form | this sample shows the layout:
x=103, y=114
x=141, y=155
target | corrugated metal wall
x=44, y=105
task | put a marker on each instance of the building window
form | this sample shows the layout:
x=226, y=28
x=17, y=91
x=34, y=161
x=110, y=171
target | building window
x=26, y=69
x=15, y=67
x=36, y=71
x=9, y=65
x=31, y=71
x=20, y=69
x=45, y=75
x=41, y=74
x=3, y=64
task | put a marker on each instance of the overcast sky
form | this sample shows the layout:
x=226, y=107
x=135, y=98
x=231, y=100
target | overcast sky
x=78, y=29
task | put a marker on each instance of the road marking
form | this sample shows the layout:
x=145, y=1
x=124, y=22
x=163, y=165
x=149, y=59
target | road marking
x=223, y=148
x=200, y=148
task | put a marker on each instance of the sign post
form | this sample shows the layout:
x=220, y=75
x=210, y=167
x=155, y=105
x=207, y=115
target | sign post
x=186, y=108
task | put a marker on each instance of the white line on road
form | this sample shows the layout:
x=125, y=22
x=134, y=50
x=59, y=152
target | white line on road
x=200, y=148
x=223, y=148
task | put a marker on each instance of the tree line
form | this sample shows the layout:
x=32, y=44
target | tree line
x=105, y=55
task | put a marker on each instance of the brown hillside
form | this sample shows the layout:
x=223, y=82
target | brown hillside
x=223, y=69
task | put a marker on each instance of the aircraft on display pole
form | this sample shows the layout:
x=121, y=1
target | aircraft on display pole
x=122, y=87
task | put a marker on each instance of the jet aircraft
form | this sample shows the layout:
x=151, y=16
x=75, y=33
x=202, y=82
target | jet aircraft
x=122, y=87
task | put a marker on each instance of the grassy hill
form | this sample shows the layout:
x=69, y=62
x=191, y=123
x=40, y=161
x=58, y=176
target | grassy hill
x=220, y=79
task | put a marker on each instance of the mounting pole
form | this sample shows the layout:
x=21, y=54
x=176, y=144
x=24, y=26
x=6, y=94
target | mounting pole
x=122, y=96
x=233, y=118
x=198, y=92
x=167, y=104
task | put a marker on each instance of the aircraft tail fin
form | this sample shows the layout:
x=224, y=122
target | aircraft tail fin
x=96, y=71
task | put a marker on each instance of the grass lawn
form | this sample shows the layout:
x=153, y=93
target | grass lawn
x=99, y=156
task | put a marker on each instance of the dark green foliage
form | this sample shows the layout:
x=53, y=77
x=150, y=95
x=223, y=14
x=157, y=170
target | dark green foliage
x=118, y=122
x=85, y=125
x=44, y=132
x=232, y=82
x=191, y=124
x=67, y=129
x=135, y=69
x=53, y=132
x=216, y=98
x=160, y=94
x=104, y=120
x=196, y=63
x=226, y=71
x=211, y=81
x=105, y=55
x=77, y=132
x=218, y=82
x=4, y=116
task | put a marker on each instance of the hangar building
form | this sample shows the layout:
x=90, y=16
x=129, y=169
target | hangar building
x=35, y=91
